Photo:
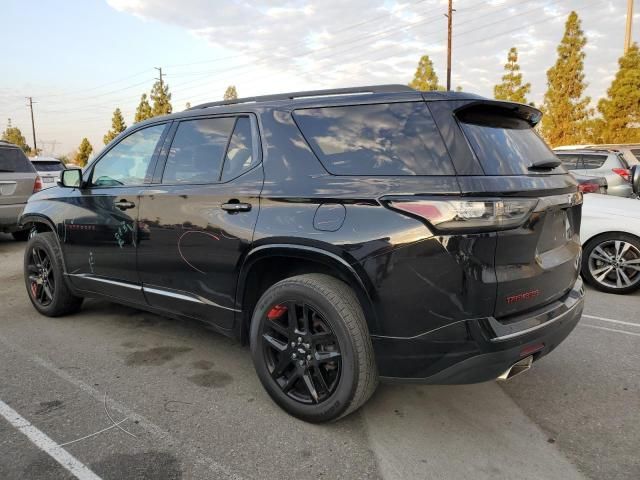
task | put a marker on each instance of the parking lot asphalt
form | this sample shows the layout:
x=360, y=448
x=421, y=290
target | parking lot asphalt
x=128, y=394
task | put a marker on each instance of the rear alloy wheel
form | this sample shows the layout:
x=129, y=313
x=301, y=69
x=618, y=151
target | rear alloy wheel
x=611, y=263
x=311, y=348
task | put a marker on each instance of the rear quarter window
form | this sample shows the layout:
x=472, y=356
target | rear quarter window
x=14, y=161
x=503, y=143
x=636, y=153
x=591, y=162
x=378, y=139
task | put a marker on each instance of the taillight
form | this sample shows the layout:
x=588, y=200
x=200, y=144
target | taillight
x=623, y=172
x=37, y=185
x=454, y=215
x=589, y=187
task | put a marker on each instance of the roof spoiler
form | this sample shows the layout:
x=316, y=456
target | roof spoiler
x=525, y=112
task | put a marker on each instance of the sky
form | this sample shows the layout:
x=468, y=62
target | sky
x=80, y=59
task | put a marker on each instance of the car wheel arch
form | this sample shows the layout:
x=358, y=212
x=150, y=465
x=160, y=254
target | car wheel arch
x=257, y=274
x=43, y=224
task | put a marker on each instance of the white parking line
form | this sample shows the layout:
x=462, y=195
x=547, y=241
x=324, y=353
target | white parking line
x=44, y=443
x=611, y=329
x=619, y=322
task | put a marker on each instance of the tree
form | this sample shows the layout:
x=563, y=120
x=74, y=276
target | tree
x=566, y=113
x=144, y=110
x=13, y=135
x=83, y=153
x=511, y=88
x=620, y=110
x=117, y=126
x=230, y=93
x=161, y=99
x=425, y=78
x=187, y=105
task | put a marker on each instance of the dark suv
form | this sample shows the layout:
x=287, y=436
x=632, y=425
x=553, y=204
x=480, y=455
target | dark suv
x=346, y=235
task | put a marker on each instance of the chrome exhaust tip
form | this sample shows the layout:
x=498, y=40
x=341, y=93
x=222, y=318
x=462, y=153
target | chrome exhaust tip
x=517, y=368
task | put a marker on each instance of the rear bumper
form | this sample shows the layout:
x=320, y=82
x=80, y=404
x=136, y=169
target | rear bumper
x=478, y=350
x=9, y=217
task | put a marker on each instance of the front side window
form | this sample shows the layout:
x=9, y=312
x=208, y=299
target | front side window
x=378, y=139
x=197, y=150
x=127, y=162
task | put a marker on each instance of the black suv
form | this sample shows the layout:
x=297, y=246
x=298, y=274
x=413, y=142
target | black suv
x=346, y=235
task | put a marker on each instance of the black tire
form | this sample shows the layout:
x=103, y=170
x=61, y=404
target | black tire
x=60, y=301
x=335, y=310
x=20, y=235
x=613, y=282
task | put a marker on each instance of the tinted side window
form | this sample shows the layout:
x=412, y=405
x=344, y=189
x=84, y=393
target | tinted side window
x=196, y=151
x=128, y=161
x=380, y=139
x=593, y=161
x=14, y=160
x=240, y=154
x=569, y=160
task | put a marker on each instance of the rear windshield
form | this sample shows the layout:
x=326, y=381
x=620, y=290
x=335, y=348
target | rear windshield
x=48, y=166
x=379, y=139
x=14, y=161
x=503, y=143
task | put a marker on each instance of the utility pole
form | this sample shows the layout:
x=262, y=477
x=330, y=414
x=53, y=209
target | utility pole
x=33, y=126
x=627, y=34
x=160, y=75
x=449, y=16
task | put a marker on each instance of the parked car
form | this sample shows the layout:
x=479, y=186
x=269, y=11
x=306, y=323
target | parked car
x=590, y=184
x=346, y=235
x=630, y=151
x=599, y=163
x=18, y=180
x=49, y=169
x=611, y=239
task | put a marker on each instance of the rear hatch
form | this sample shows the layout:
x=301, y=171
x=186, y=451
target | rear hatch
x=537, y=262
x=17, y=176
x=49, y=171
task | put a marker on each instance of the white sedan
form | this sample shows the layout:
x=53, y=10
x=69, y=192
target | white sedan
x=610, y=234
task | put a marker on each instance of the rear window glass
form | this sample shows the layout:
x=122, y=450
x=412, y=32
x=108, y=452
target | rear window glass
x=503, y=143
x=48, y=166
x=379, y=139
x=589, y=162
x=569, y=160
x=14, y=161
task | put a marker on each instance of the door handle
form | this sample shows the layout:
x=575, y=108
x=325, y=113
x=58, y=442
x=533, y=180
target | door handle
x=235, y=206
x=124, y=205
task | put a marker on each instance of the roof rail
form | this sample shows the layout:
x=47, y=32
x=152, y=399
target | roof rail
x=310, y=93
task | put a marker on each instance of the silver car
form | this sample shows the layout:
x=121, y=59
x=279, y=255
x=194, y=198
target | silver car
x=18, y=180
x=49, y=169
x=609, y=164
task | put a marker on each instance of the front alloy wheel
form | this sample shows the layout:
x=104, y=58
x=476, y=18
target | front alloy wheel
x=42, y=284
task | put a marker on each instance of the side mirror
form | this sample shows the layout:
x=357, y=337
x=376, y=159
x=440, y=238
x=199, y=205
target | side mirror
x=71, y=178
x=635, y=179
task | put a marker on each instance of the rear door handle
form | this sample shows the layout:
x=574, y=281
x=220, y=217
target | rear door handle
x=233, y=207
x=124, y=205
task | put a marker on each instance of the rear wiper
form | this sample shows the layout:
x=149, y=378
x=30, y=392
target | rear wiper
x=545, y=164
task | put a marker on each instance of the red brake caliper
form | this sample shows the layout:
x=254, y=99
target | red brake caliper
x=276, y=312
x=34, y=287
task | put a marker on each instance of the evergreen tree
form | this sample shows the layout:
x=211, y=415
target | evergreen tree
x=511, y=88
x=13, y=135
x=230, y=93
x=144, y=109
x=161, y=99
x=425, y=78
x=83, y=153
x=620, y=110
x=117, y=126
x=566, y=113
x=187, y=105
